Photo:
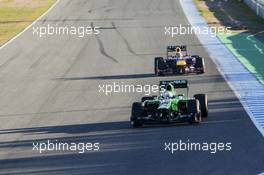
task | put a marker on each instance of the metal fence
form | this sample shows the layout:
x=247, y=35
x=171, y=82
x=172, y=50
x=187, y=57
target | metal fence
x=257, y=6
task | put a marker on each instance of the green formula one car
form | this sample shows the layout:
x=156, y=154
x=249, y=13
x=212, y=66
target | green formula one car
x=170, y=106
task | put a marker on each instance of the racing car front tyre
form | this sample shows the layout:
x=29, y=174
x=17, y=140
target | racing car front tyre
x=135, y=115
x=203, y=103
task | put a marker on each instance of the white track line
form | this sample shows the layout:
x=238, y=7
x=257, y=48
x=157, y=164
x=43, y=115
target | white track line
x=247, y=88
x=9, y=41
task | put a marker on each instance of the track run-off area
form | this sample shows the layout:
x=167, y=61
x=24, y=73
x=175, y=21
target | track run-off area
x=49, y=91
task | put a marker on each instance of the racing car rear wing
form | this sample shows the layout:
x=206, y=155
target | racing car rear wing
x=173, y=48
x=176, y=83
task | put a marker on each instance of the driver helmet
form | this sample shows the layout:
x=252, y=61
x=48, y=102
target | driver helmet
x=168, y=92
x=169, y=87
x=179, y=55
x=166, y=95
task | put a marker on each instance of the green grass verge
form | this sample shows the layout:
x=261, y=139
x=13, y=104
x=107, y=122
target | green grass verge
x=231, y=13
x=243, y=22
x=248, y=50
x=14, y=19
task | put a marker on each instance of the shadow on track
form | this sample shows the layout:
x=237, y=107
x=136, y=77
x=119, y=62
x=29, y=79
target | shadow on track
x=196, y=79
x=121, y=147
x=110, y=77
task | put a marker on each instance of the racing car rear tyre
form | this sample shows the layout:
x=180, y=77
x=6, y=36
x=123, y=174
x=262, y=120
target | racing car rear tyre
x=156, y=60
x=203, y=103
x=194, y=108
x=135, y=115
x=199, y=64
x=159, y=64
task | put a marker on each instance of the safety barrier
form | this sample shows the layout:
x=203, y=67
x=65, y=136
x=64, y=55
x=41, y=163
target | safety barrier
x=257, y=6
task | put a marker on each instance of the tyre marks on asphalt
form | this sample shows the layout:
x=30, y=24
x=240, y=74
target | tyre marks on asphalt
x=102, y=48
x=129, y=48
x=38, y=61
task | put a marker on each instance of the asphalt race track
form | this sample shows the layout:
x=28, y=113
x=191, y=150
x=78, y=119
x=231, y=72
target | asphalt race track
x=49, y=90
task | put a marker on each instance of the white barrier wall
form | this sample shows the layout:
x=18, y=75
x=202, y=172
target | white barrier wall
x=257, y=6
